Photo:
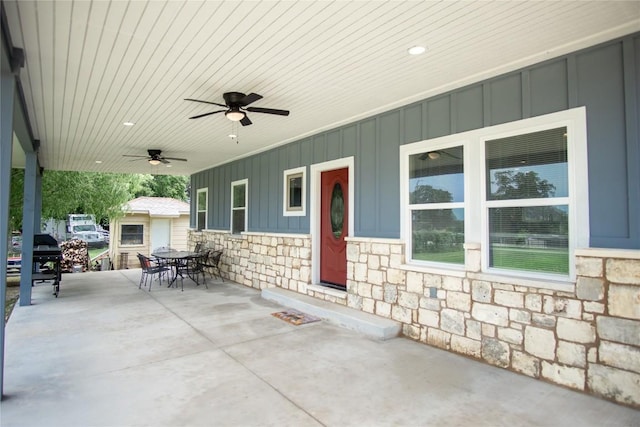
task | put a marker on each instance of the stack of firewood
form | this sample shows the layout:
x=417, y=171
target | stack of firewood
x=74, y=252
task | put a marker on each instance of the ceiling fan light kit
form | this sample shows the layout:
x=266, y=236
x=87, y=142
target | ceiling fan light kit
x=235, y=115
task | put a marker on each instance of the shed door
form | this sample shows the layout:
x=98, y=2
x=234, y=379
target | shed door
x=160, y=233
x=334, y=226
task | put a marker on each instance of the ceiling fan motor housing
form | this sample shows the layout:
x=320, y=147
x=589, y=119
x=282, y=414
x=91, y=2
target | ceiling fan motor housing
x=234, y=99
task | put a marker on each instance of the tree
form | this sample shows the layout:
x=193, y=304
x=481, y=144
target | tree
x=99, y=194
x=434, y=230
x=521, y=185
x=164, y=186
x=16, y=197
x=525, y=220
x=427, y=194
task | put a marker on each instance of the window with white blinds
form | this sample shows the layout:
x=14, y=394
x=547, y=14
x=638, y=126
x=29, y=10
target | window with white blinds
x=527, y=198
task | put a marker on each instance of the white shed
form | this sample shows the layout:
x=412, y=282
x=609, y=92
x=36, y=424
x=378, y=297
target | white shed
x=149, y=223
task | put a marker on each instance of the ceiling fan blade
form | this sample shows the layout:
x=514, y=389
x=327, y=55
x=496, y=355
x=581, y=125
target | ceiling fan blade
x=164, y=160
x=245, y=121
x=129, y=155
x=268, y=111
x=207, y=114
x=176, y=159
x=249, y=99
x=449, y=154
x=205, y=102
x=137, y=160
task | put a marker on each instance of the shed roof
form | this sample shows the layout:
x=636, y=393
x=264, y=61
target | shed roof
x=157, y=206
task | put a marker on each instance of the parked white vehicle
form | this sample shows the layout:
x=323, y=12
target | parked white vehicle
x=84, y=227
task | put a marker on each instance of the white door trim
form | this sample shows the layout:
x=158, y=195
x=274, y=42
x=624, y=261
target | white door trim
x=314, y=214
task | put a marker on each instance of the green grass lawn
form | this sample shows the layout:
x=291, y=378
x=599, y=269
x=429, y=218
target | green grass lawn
x=529, y=259
x=454, y=257
x=544, y=260
x=94, y=252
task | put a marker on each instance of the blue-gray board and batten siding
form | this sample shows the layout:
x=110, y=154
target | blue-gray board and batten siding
x=604, y=79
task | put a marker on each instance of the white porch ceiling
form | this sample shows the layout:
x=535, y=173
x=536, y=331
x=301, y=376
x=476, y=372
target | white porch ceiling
x=92, y=65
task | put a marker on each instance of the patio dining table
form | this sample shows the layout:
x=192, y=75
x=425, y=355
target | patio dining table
x=176, y=259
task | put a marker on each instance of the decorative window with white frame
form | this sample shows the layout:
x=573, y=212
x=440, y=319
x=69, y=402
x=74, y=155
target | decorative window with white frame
x=519, y=190
x=202, y=196
x=294, y=192
x=239, y=204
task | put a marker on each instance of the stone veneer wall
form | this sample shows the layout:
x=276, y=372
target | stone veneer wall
x=585, y=337
x=261, y=260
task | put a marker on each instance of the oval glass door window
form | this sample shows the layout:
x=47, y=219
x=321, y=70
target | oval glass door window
x=337, y=210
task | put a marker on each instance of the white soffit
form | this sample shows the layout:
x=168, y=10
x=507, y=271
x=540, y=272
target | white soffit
x=92, y=65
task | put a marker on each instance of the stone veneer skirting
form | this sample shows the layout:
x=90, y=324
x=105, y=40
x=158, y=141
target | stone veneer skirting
x=585, y=336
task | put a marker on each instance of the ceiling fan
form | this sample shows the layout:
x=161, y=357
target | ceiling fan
x=236, y=105
x=155, y=157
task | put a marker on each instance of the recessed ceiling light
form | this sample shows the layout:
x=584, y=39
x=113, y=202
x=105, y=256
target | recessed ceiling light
x=417, y=50
x=128, y=123
x=98, y=161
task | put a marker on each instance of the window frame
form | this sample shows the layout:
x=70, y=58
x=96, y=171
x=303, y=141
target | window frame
x=141, y=234
x=287, y=209
x=234, y=184
x=206, y=208
x=476, y=206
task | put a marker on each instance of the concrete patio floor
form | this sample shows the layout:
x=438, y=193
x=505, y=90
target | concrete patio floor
x=108, y=354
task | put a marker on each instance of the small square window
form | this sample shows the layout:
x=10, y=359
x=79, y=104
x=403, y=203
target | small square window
x=294, y=192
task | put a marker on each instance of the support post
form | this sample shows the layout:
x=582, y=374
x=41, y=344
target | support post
x=28, y=226
x=7, y=93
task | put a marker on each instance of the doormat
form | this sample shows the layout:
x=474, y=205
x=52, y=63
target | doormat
x=295, y=317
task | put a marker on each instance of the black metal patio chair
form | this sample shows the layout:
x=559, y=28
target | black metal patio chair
x=212, y=264
x=150, y=269
x=196, y=267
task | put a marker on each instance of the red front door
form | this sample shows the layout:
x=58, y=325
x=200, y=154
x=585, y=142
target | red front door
x=334, y=208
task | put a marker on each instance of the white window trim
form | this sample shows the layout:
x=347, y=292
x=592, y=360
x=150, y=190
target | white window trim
x=475, y=191
x=244, y=182
x=286, y=209
x=206, y=209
